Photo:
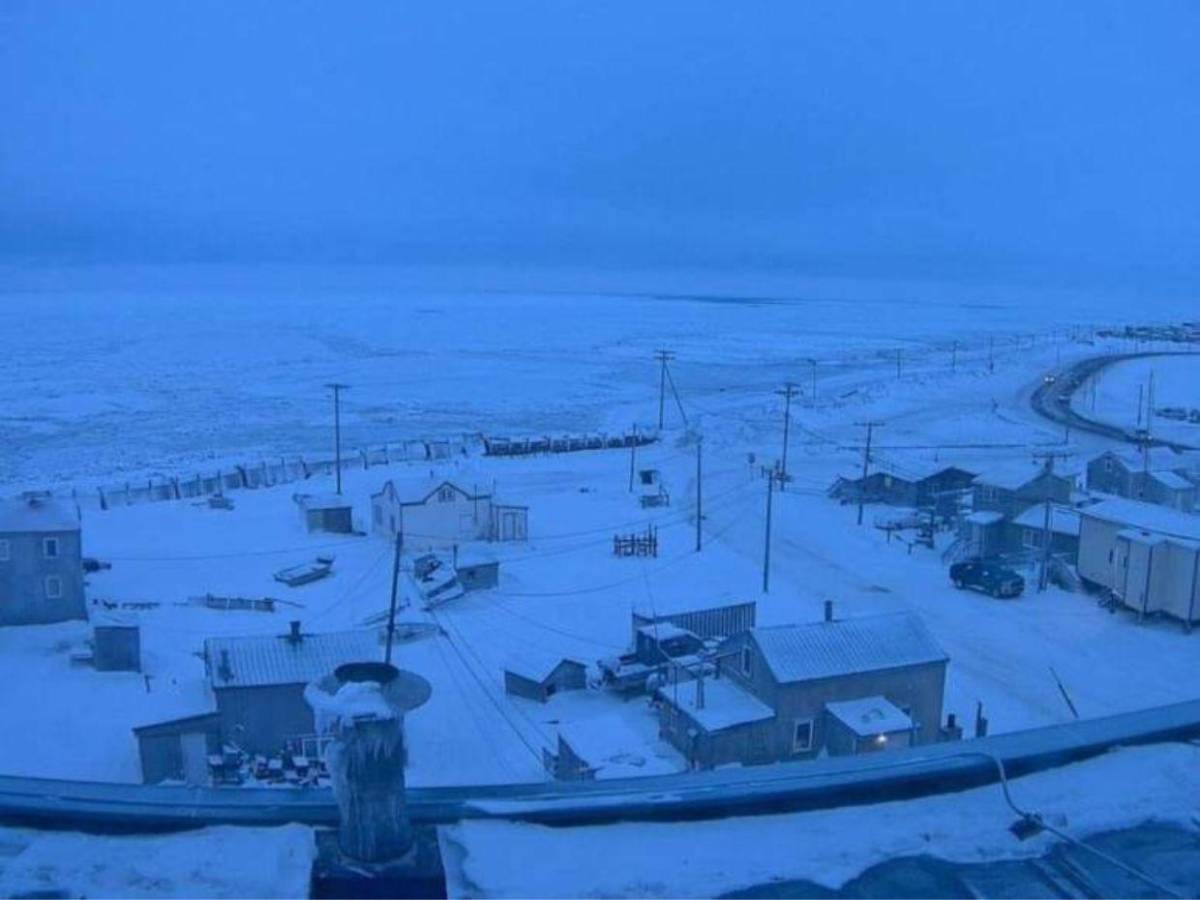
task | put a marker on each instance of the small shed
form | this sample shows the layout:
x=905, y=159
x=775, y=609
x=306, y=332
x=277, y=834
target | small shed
x=326, y=512
x=477, y=570
x=867, y=725
x=116, y=643
x=179, y=749
x=606, y=746
x=537, y=676
x=1064, y=530
x=701, y=616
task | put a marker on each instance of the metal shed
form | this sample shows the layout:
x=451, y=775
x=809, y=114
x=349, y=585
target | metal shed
x=326, y=512
x=178, y=749
x=116, y=643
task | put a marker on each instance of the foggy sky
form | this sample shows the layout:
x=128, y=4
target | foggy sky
x=889, y=137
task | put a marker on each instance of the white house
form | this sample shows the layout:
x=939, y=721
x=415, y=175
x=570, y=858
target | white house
x=1148, y=555
x=440, y=513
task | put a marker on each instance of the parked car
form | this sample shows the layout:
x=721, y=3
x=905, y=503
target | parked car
x=991, y=578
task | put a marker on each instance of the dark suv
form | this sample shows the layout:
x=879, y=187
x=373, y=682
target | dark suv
x=989, y=577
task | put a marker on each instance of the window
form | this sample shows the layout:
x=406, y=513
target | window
x=53, y=587
x=50, y=548
x=446, y=494
x=802, y=735
x=5, y=551
x=1031, y=538
x=746, y=661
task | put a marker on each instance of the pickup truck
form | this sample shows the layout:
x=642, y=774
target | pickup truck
x=990, y=578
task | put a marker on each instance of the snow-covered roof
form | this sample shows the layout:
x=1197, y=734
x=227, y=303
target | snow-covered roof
x=726, y=705
x=536, y=666
x=985, y=517
x=323, y=501
x=1063, y=519
x=1156, y=457
x=417, y=490
x=1170, y=479
x=259, y=660
x=1010, y=477
x=37, y=513
x=870, y=716
x=847, y=646
x=1146, y=538
x=664, y=631
x=605, y=740
x=1146, y=516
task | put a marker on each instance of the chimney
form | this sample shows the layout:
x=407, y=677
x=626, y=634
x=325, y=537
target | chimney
x=828, y=610
x=294, y=635
x=225, y=670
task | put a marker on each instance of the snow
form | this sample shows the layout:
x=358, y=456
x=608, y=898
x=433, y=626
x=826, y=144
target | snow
x=870, y=716
x=213, y=862
x=829, y=847
x=1147, y=517
x=609, y=745
x=37, y=514
x=1063, y=519
x=1114, y=396
x=725, y=704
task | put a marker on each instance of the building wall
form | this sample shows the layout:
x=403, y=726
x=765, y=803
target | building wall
x=1109, y=475
x=262, y=719
x=117, y=648
x=160, y=747
x=23, y=599
x=508, y=523
x=335, y=521
x=705, y=623
x=748, y=744
x=842, y=741
x=1012, y=503
x=567, y=676
x=919, y=690
x=1025, y=539
x=442, y=522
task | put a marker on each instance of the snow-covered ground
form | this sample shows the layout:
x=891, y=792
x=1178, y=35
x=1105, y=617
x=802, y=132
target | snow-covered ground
x=214, y=862
x=828, y=847
x=1121, y=395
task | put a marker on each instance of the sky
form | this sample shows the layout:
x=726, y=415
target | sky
x=1044, y=138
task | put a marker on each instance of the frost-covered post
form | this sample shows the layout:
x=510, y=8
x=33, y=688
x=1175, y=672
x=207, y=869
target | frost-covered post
x=361, y=706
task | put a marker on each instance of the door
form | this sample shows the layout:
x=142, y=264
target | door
x=1136, y=578
x=508, y=526
x=195, y=758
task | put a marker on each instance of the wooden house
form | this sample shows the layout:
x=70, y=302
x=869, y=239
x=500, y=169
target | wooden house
x=41, y=561
x=772, y=694
x=439, y=514
x=1152, y=474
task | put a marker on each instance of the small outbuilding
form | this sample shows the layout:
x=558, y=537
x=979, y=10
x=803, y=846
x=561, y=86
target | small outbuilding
x=867, y=725
x=116, y=643
x=179, y=749
x=331, y=513
x=539, y=677
x=477, y=570
x=606, y=746
x=1029, y=529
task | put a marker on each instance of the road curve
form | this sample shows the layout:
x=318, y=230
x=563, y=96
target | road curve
x=1052, y=399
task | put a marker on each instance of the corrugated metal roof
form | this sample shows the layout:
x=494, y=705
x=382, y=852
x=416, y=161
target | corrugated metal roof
x=870, y=716
x=534, y=666
x=260, y=660
x=1147, y=516
x=827, y=649
x=33, y=515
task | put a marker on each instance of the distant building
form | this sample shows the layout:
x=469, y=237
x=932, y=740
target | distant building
x=699, y=615
x=1029, y=527
x=440, y=514
x=477, y=570
x=933, y=485
x=116, y=643
x=326, y=512
x=41, y=561
x=1010, y=490
x=1147, y=555
x=538, y=676
x=258, y=682
x=1153, y=475
x=781, y=692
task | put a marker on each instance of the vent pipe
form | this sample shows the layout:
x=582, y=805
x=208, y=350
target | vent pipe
x=294, y=635
x=828, y=610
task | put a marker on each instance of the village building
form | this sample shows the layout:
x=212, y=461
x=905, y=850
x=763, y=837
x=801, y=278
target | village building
x=41, y=561
x=440, y=514
x=933, y=486
x=478, y=570
x=1152, y=474
x=258, y=683
x=602, y=747
x=771, y=697
x=179, y=749
x=1028, y=529
x=331, y=513
x=1010, y=490
x=1147, y=555
x=702, y=617
x=116, y=642
x=539, y=676
x=866, y=726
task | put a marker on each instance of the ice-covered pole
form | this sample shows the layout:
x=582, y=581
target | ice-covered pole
x=361, y=706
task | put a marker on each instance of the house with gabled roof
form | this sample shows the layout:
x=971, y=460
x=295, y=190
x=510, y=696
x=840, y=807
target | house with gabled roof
x=438, y=513
x=1150, y=474
x=41, y=564
x=776, y=691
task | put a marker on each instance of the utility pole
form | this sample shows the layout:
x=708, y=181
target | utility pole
x=991, y=355
x=663, y=357
x=1139, y=416
x=1044, y=572
x=337, y=430
x=767, y=542
x=788, y=391
x=699, y=496
x=391, y=626
x=632, y=458
x=899, y=354
x=862, y=488
x=954, y=357
x=812, y=363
